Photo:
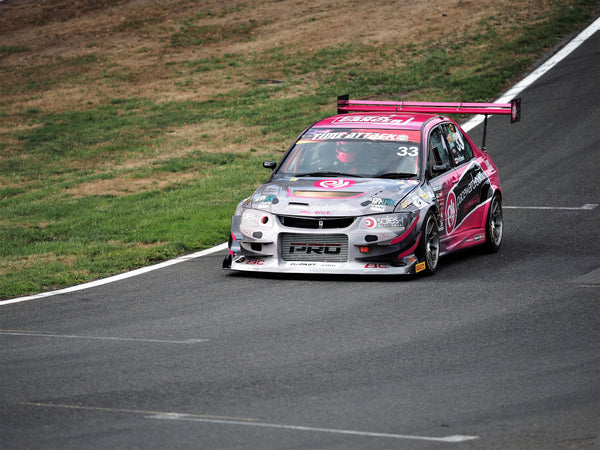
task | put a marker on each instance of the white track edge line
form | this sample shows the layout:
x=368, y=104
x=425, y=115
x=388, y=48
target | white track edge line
x=540, y=71
x=448, y=439
x=119, y=277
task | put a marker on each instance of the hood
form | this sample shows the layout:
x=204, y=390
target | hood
x=331, y=196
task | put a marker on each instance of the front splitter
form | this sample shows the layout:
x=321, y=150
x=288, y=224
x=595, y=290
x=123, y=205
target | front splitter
x=254, y=264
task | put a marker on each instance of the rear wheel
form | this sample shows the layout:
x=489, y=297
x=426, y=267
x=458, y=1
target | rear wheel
x=429, y=245
x=494, y=225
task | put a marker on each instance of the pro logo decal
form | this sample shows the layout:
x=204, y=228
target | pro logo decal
x=317, y=249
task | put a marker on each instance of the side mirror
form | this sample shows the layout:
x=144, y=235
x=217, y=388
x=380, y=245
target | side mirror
x=269, y=165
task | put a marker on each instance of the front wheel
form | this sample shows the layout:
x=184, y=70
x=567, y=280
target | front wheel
x=429, y=245
x=494, y=225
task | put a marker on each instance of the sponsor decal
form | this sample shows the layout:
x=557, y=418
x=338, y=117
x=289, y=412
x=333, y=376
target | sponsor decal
x=428, y=194
x=326, y=209
x=396, y=120
x=450, y=212
x=479, y=178
x=320, y=265
x=376, y=266
x=351, y=135
x=487, y=165
x=420, y=267
x=321, y=134
x=456, y=143
x=336, y=183
x=471, y=203
x=441, y=202
x=256, y=262
x=390, y=222
x=464, y=196
x=267, y=199
x=302, y=264
x=306, y=248
x=381, y=204
x=250, y=218
x=515, y=113
x=406, y=203
x=370, y=222
x=417, y=201
x=314, y=212
x=385, y=221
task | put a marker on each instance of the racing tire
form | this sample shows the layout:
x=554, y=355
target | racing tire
x=494, y=225
x=428, y=250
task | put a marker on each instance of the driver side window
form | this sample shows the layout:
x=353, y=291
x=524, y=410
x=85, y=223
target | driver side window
x=438, y=154
x=460, y=149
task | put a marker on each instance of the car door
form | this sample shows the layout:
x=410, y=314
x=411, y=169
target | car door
x=464, y=200
x=442, y=178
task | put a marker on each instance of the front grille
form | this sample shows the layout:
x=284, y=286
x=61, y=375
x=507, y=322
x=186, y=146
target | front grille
x=314, y=247
x=316, y=223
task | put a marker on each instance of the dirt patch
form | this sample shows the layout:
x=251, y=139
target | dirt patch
x=12, y=265
x=123, y=185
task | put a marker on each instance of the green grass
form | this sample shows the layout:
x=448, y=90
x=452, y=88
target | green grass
x=54, y=234
x=80, y=239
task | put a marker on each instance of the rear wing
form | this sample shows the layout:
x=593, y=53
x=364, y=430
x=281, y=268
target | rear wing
x=345, y=105
x=513, y=108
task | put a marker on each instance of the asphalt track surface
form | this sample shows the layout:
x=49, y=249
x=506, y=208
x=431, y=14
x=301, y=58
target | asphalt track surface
x=494, y=351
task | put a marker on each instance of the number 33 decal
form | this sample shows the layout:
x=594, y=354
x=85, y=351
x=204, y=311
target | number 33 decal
x=408, y=151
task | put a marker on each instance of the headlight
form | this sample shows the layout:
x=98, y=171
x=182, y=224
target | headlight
x=388, y=221
x=255, y=218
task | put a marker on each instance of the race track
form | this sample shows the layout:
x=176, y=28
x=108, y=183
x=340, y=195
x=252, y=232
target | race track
x=493, y=352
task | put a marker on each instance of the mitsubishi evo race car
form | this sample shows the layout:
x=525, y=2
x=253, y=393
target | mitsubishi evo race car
x=382, y=188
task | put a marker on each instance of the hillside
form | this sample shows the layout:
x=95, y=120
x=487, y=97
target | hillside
x=119, y=48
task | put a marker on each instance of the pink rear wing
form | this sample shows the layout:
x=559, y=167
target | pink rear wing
x=345, y=105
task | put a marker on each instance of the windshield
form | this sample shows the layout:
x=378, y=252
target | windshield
x=354, y=152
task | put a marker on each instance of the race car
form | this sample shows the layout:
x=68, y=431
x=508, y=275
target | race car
x=383, y=187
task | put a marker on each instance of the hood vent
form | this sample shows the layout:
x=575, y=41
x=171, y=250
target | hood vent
x=327, y=194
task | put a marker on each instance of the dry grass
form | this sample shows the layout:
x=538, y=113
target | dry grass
x=134, y=36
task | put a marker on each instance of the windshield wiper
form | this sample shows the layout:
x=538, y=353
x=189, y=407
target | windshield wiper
x=397, y=175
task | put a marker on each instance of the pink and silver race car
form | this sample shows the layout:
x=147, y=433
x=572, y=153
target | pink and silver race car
x=382, y=187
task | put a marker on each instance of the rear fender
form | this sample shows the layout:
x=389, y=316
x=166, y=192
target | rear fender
x=486, y=195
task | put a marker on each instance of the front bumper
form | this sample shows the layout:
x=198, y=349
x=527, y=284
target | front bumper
x=352, y=250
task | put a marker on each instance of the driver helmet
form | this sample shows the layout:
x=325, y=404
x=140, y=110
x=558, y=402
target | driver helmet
x=345, y=152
